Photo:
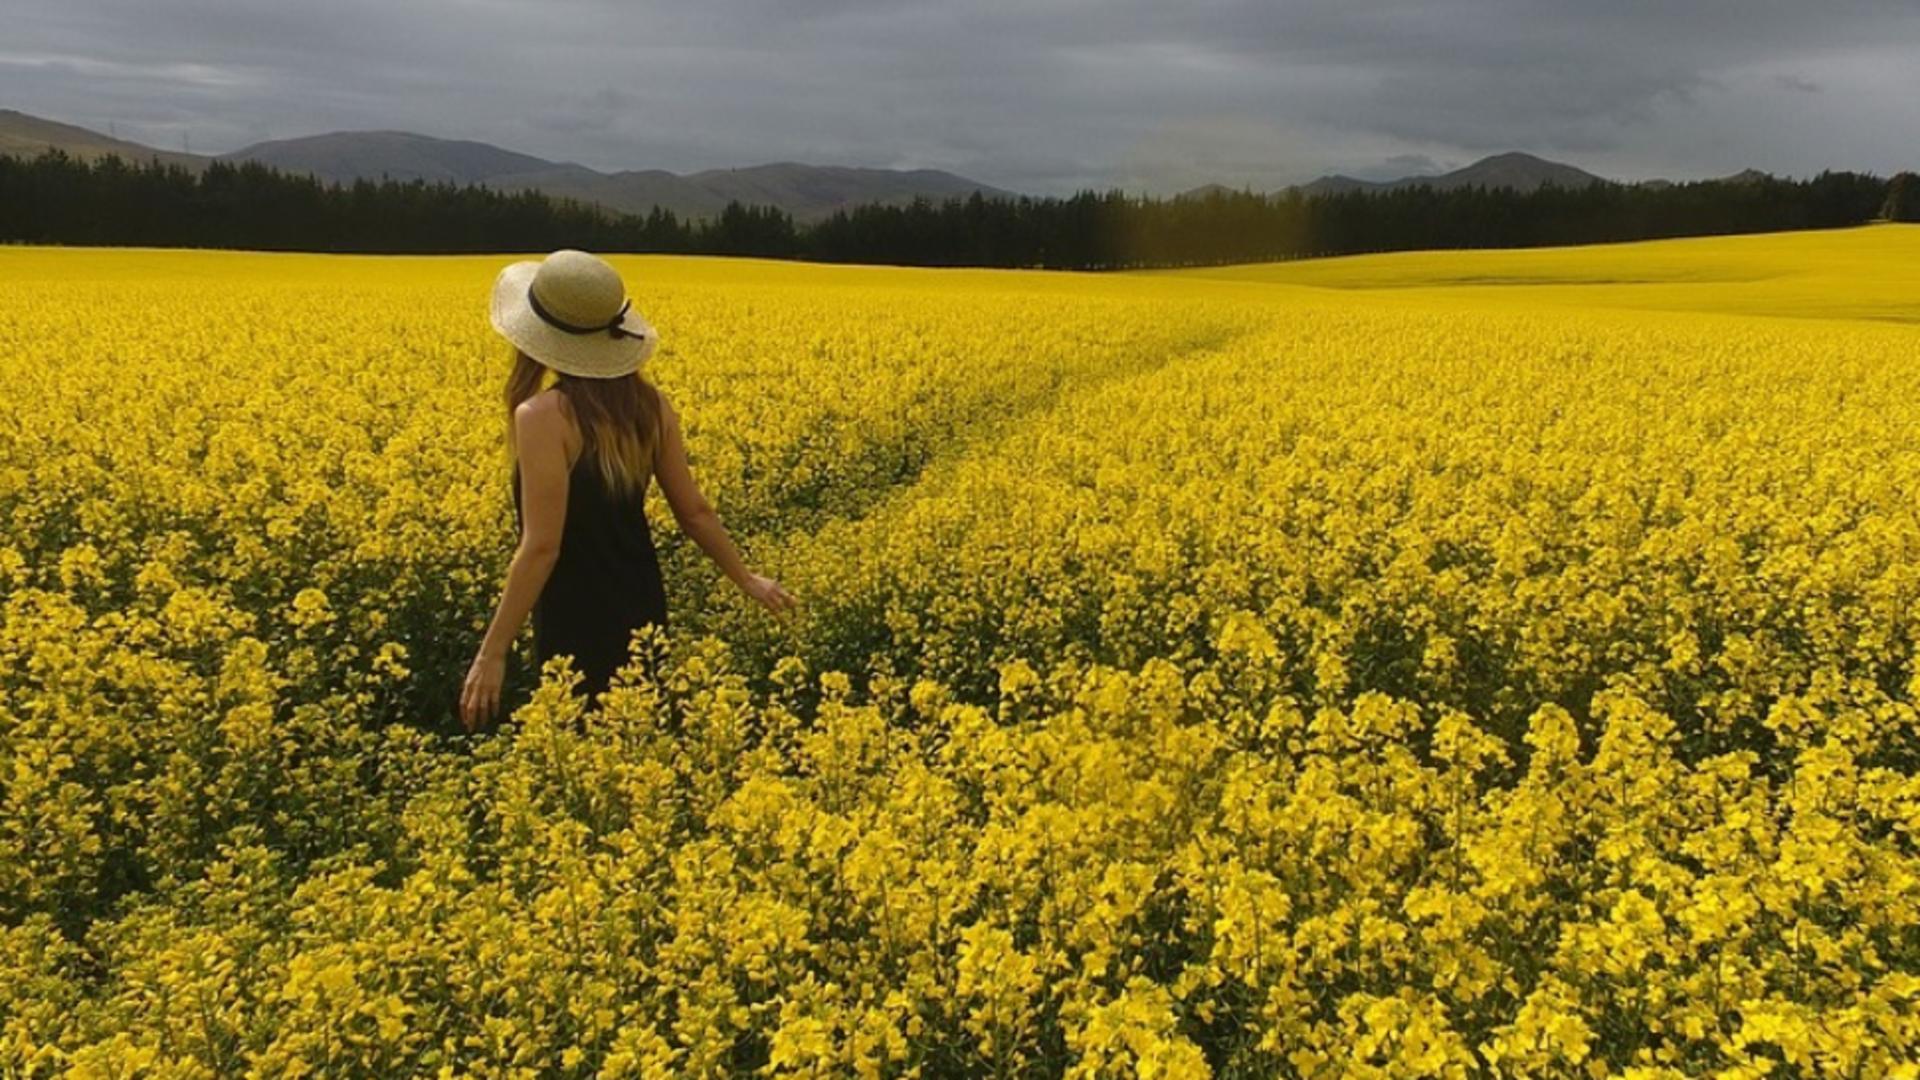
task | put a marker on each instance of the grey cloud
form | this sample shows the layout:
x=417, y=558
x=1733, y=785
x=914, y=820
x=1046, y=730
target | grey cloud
x=1038, y=95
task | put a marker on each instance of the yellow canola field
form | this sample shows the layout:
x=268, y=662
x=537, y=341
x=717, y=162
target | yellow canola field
x=1441, y=664
x=1869, y=272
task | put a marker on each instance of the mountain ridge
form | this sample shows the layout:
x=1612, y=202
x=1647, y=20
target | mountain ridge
x=1513, y=169
x=23, y=134
x=808, y=192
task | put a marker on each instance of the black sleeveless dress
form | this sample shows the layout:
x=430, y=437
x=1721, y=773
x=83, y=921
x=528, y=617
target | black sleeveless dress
x=605, y=582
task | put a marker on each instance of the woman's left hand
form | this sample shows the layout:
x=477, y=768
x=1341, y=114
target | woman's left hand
x=481, y=694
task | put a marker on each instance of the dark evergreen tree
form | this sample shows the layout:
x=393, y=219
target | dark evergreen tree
x=57, y=199
x=1903, y=198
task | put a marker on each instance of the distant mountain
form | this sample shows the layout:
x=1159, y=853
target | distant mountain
x=1338, y=184
x=345, y=156
x=1522, y=172
x=1744, y=176
x=815, y=190
x=808, y=192
x=633, y=191
x=22, y=135
x=1207, y=190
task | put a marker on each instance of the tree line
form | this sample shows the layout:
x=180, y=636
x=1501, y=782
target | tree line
x=56, y=198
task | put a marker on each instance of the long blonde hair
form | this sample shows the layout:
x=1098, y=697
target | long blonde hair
x=619, y=419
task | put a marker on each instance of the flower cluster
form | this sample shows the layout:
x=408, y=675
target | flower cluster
x=1195, y=677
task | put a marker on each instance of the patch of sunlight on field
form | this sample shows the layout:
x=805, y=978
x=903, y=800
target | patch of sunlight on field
x=1871, y=272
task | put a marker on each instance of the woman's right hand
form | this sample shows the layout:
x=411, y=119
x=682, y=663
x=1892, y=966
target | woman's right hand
x=769, y=593
x=480, y=694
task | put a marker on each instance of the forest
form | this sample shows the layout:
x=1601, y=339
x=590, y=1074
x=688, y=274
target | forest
x=57, y=198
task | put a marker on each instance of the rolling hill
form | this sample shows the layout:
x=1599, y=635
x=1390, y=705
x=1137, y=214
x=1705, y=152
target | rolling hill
x=1523, y=172
x=22, y=135
x=808, y=192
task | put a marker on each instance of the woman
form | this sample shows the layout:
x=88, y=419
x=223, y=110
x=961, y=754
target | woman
x=584, y=450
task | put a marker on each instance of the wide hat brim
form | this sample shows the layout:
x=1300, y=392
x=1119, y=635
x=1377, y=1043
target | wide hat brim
x=597, y=355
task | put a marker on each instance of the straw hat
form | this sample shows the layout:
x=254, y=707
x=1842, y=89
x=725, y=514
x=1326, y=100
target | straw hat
x=571, y=312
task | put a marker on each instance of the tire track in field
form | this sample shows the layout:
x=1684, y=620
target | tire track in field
x=888, y=470
x=760, y=641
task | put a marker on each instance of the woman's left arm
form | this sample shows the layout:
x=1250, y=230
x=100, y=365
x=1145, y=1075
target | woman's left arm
x=539, y=432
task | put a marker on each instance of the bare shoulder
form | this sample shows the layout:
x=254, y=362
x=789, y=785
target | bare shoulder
x=545, y=415
x=548, y=402
x=542, y=410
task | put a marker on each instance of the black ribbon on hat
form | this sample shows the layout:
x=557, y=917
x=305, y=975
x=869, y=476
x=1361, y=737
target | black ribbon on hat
x=613, y=327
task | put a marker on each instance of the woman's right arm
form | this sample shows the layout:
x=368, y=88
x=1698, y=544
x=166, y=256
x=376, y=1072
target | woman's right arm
x=699, y=521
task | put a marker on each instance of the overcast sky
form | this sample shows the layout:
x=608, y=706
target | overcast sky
x=1042, y=96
